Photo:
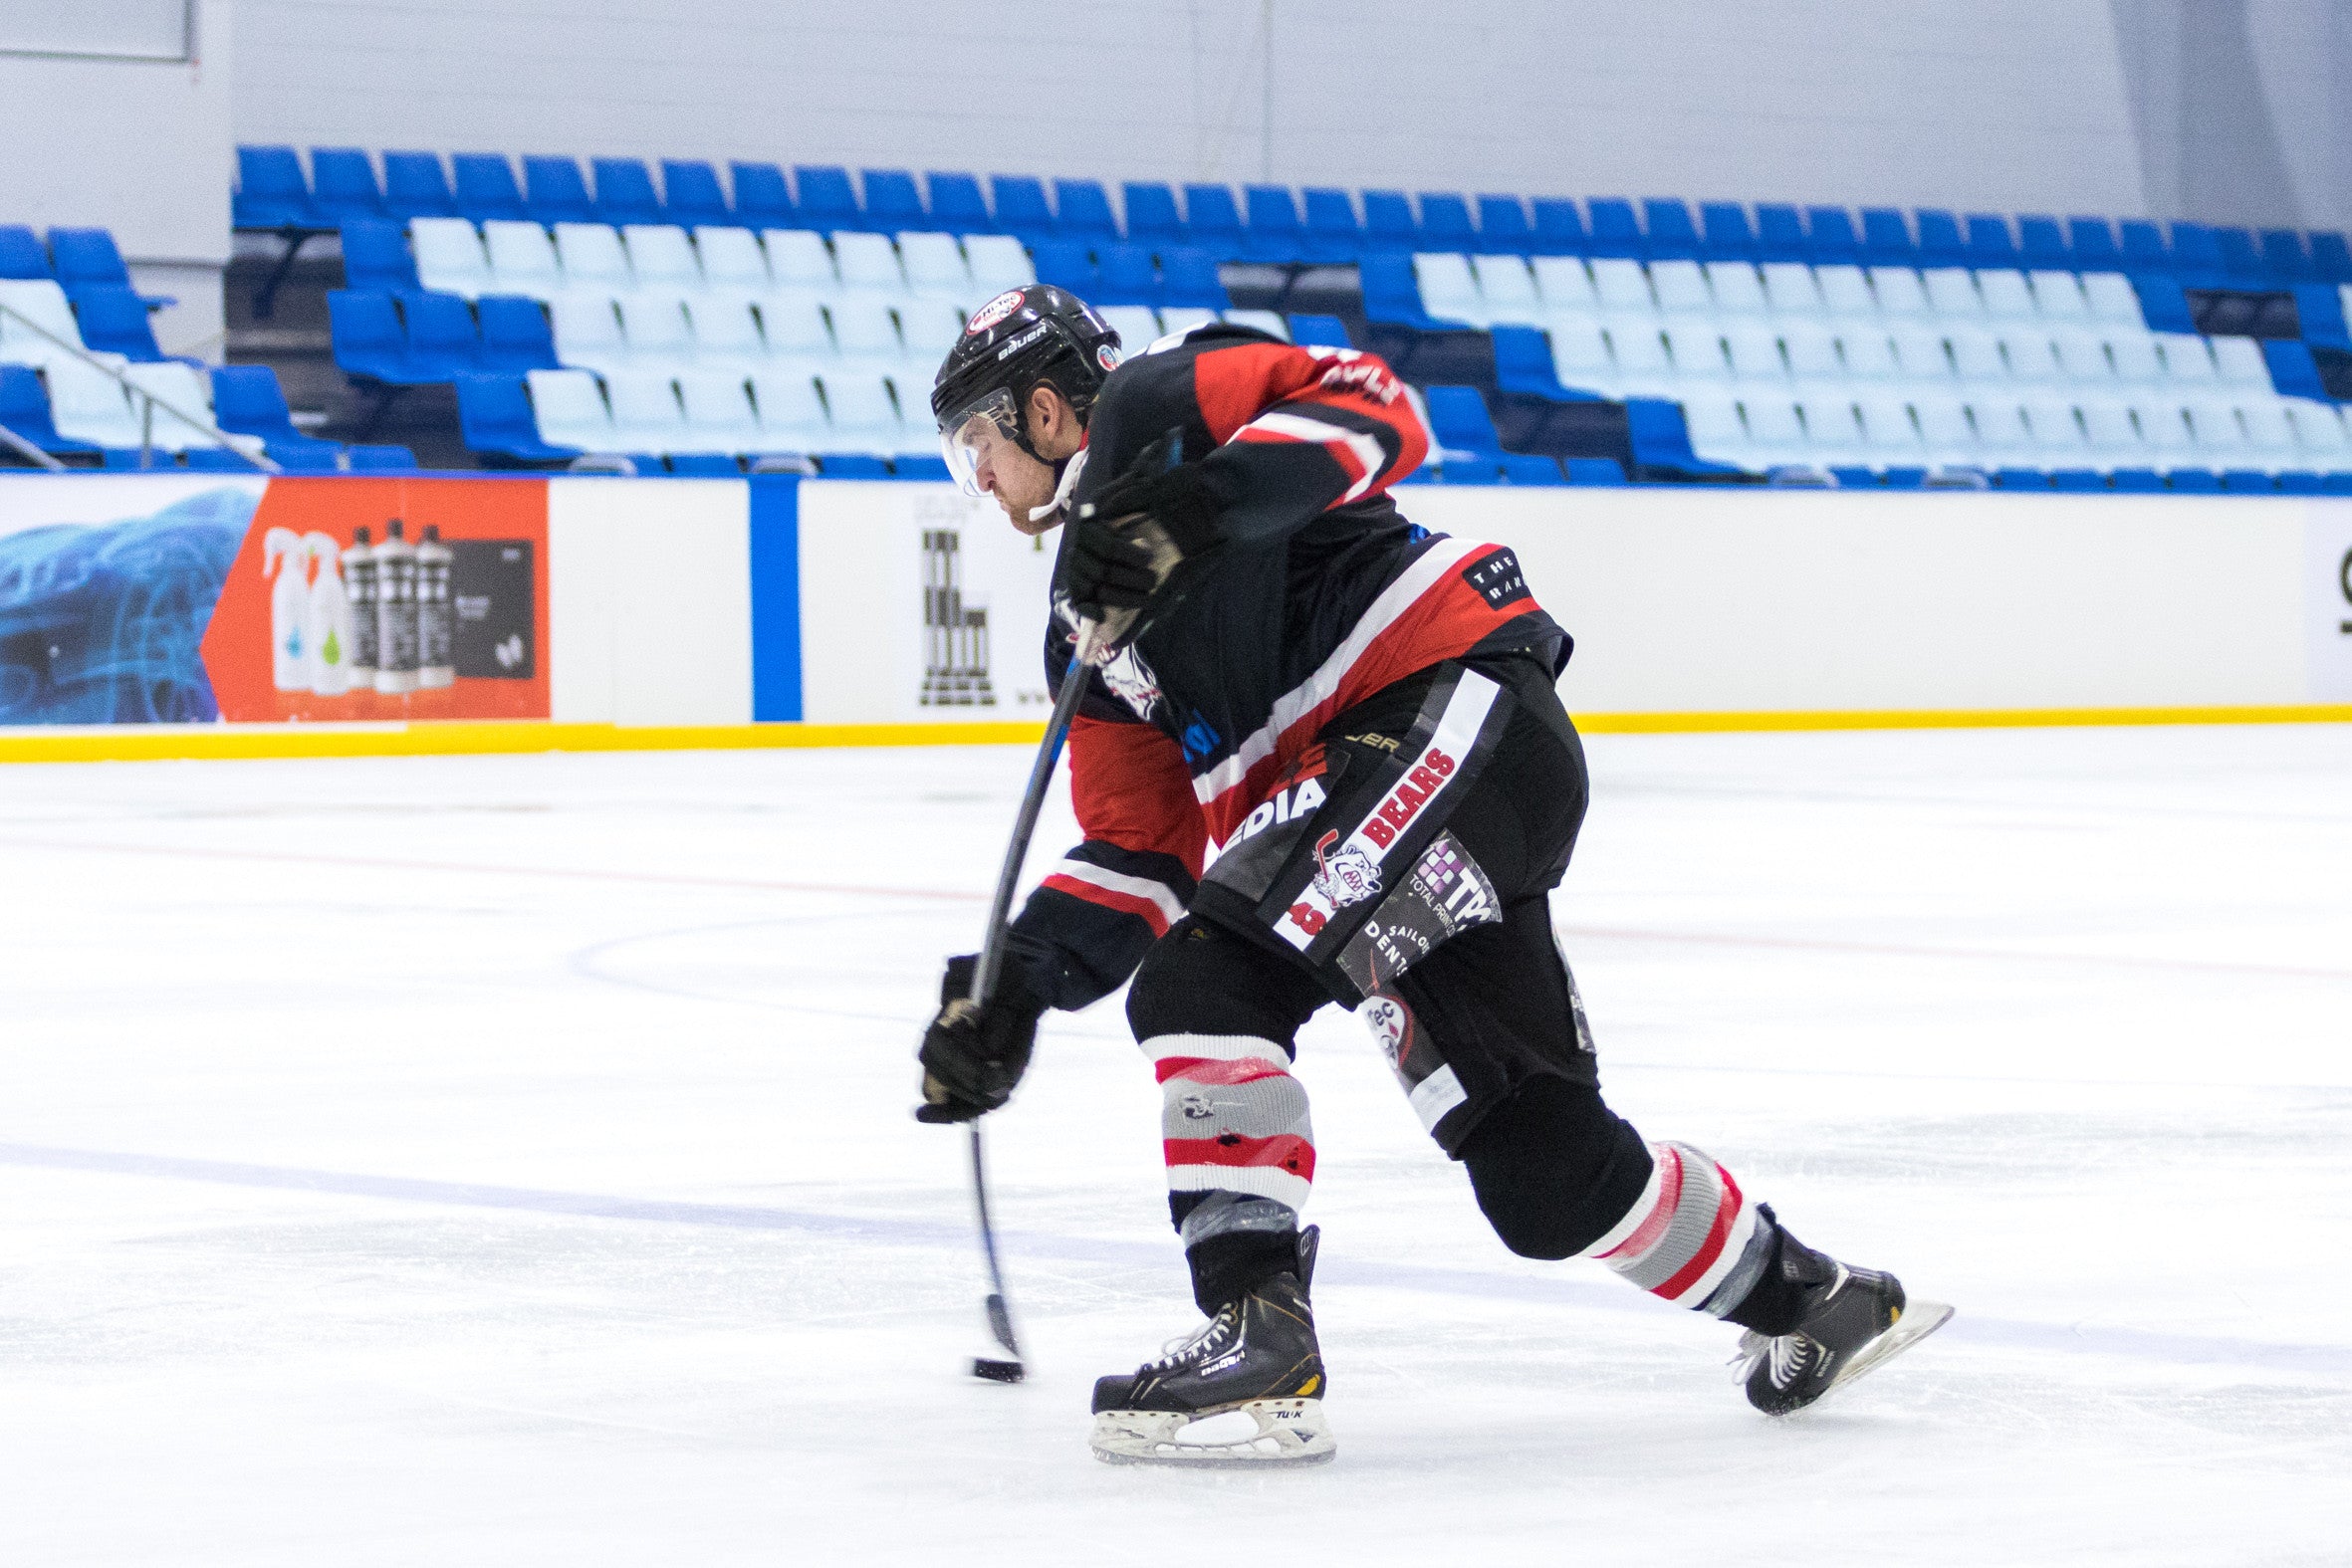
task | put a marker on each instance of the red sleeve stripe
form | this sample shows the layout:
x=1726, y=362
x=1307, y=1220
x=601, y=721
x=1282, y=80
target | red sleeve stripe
x=1129, y=895
x=1201, y=1070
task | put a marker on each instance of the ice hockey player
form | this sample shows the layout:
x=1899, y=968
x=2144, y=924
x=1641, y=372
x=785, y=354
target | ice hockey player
x=1360, y=715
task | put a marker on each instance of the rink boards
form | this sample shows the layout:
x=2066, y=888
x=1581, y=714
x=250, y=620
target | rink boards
x=154, y=615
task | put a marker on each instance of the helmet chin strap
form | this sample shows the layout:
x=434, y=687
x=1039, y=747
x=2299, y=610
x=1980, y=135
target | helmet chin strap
x=1065, y=479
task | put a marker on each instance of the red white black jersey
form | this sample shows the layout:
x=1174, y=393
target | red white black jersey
x=1321, y=595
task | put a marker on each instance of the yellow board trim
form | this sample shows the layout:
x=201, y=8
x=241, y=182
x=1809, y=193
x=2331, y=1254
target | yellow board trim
x=176, y=743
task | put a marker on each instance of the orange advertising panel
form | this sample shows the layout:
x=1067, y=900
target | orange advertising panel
x=386, y=598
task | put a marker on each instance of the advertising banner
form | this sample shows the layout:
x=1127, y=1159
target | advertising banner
x=2327, y=596
x=919, y=604
x=385, y=598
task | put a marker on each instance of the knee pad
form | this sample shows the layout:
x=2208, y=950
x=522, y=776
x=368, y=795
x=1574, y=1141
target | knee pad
x=1197, y=980
x=1554, y=1168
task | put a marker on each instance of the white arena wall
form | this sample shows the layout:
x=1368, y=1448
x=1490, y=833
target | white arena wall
x=777, y=611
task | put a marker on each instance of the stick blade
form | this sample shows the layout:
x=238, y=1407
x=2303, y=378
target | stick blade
x=1000, y=1323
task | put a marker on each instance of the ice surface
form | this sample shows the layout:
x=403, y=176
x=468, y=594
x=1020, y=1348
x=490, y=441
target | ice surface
x=507, y=1161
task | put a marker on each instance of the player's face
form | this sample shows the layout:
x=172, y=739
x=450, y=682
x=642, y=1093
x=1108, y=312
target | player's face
x=1019, y=482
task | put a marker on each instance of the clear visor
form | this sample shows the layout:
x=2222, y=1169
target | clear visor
x=978, y=438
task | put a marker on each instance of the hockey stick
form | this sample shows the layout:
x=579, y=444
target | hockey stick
x=990, y=963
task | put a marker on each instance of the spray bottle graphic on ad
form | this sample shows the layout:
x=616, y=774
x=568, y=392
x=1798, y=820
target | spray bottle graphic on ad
x=285, y=561
x=395, y=612
x=330, y=617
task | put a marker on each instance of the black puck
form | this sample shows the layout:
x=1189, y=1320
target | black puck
x=998, y=1371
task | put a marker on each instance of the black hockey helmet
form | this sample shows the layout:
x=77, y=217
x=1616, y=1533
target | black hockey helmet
x=1014, y=343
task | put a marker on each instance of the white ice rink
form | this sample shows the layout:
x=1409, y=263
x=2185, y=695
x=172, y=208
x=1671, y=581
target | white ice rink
x=507, y=1161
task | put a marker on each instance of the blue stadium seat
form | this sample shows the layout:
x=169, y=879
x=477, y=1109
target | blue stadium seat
x=1830, y=239
x=485, y=186
x=87, y=259
x=1725, y=232
x=2077, y=479
x=1333, y=231
x=515, y=334
x=1661, y=437
x=1616, y=231
x=272, y=190
x=1671, y=235
x=1152, y=218
x=376, y=256
x=1559, y=228
x=1529, y=468
x=494, y=415
x=1391, y=292
x=555, y=191
x=894, y=203
x=2136, y=481
x=2241, y=258
x=1082, y=210
x=1458, y=420
x=115, y=321
x=1388, y=221
x=442, y=338
x=762, y=198
x=957, y=204
x=1990, y=244
x=2294, y=372
x=247, y=400
x=1851, y=478
x=383, y=460
x=1503, y=227
x=2284, y=257
x=2020, y=478
x=709, y=464
x=2337, y=484
x=1941, y=243
x=2331, y=257
x=1128, y=275
x=2091, y=242
x=2249, y=482
x=2163, y=304
x=1780, y=233
x=1020, y=206
x=22, y=254
x=691, y=195
x=2195, y=480
x=1594, y=471
x=1276, y=233
x=365, y=330
x=625, y=193
x=907, y=466
x=2319, y=310
x=823, y=198
x=1188, y=278
x=342, y=185
x=24, y=408
x=1444, y=223
x=2041, y=242
x=415, y=185
x=1886, y=239
x=1211, y=220
x=1319, y=331
x=2144, y=248
x=856, y=465
x=1066, y=263
x=1524, y=364
x=2298, y=481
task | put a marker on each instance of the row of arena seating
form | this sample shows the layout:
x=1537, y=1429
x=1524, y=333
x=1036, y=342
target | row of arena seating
x=1271, y=223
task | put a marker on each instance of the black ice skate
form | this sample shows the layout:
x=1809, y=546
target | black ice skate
x=1246, y=1390
x=1854, y=1319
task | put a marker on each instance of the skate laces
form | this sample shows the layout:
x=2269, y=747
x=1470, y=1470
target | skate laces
x=1201, y=1341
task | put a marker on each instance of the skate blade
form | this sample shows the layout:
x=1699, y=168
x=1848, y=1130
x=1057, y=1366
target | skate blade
x=1919, y=1320
x=1289, y=1432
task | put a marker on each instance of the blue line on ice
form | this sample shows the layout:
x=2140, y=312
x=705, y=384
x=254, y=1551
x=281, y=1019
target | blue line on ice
x=2003, y=1333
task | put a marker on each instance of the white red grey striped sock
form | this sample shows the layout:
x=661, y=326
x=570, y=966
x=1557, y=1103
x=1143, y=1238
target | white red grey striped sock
x=1233, y=1121
x=1693, y=1238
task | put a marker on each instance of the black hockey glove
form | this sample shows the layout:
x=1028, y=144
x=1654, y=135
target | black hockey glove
x=1138, y=529
x=973, y=1057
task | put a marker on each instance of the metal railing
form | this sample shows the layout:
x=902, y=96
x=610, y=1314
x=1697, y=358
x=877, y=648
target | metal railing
x=147, y=403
